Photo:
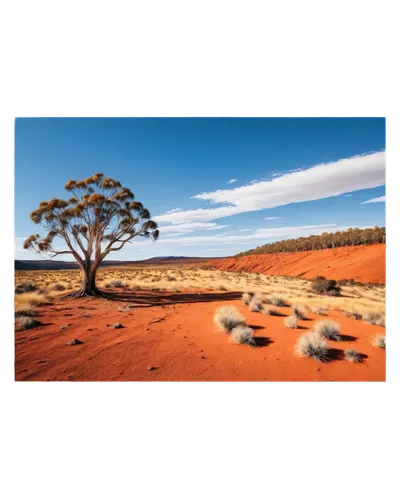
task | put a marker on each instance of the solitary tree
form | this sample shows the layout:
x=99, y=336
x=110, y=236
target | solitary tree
x=100, y=218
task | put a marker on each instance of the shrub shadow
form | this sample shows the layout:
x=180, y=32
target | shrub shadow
x=348, y=338
x=256, y=327
x=335, y=354
x=262, y=341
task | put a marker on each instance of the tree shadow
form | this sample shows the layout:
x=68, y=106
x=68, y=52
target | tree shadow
x=262, y=341
x=348, y=338
x=149, y=299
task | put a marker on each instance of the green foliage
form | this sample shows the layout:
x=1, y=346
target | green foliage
x=351, y=237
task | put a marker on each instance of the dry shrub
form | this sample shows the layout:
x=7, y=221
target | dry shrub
x=322, y=286
x=312, y=345
x=255, y=305
x=24, y=309
x=242, y=334
x=27, y=322
x=317, y=309
x=373, y=317
x=227, y=318
x=328, y=329
x=115, y=284
x=290, y=322
x=58, y=287
x=353, y=313
x=298, y=311
x=32, y=298
x=262, y=298
x=247, y=297
x=25, y=287
x=271, y=311
x=352, y=356
x=277, y=300
x=379, y=340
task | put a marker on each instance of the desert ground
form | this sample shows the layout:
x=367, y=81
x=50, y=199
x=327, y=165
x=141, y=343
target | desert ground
x=364, y=263
x=158, y=323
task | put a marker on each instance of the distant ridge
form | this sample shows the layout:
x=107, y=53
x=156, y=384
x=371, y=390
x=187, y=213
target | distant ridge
x=54, y=265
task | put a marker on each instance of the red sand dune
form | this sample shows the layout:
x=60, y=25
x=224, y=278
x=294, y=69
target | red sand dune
x=176, y=337
x=362, y=263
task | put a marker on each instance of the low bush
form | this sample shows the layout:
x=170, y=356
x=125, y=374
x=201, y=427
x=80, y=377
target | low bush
x=352, y=356
x=242, y=334
x=290, y=322
x=322, y=286
x=312, y=345
x=26, y=287
x=328, y=329
x=246, y=297
x=255, y=305
x=227, y=318
x=379, y=340
x=277, y=300
x=298, y=311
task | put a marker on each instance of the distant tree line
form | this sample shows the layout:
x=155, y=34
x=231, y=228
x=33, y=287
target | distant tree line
x=350, y=237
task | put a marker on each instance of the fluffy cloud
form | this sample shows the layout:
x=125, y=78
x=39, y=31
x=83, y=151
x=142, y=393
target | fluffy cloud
x=260, y=235
x=321, y=181
x=381, y=199
x=173, y=210
x=190, y=227
x=232, y=181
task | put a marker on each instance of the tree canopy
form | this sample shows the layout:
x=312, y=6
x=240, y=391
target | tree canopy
x=100, y=217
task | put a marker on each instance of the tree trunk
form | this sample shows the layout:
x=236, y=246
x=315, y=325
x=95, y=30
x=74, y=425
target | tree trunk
x=88, y=288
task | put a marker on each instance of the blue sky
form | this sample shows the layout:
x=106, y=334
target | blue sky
x=216, y=186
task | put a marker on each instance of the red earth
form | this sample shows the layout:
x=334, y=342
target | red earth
x=365, y=264
x=171, y=337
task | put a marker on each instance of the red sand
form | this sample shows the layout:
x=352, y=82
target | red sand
x=181, y=343
x=363, y=263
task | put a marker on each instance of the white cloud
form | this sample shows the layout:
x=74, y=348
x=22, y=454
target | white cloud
x=190, y=227
x=272, y=218
x=381, y=199
x=321, y=181
x=263, y=235
x=173, y=210
x=348, y=195
x=231, y=181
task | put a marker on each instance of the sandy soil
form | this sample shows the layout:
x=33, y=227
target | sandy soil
x=174, y=335
x=363, y=263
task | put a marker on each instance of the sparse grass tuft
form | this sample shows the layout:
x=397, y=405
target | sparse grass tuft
x=298, y=311
x=353, y=313
x=271, y=311
x=242, y=334
x=379, y=340
x=255, y=305
x=115, y=284
x=32, y=298
x=26, y=286
x=246, y=297
x=27, y=323
x=373, y=317
x=227, y=318
x=352, y=356
x=317, y=309
x=290, y=322
x=328, y=329
x=58, y=287
x=277, y=300
x=312, y=345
